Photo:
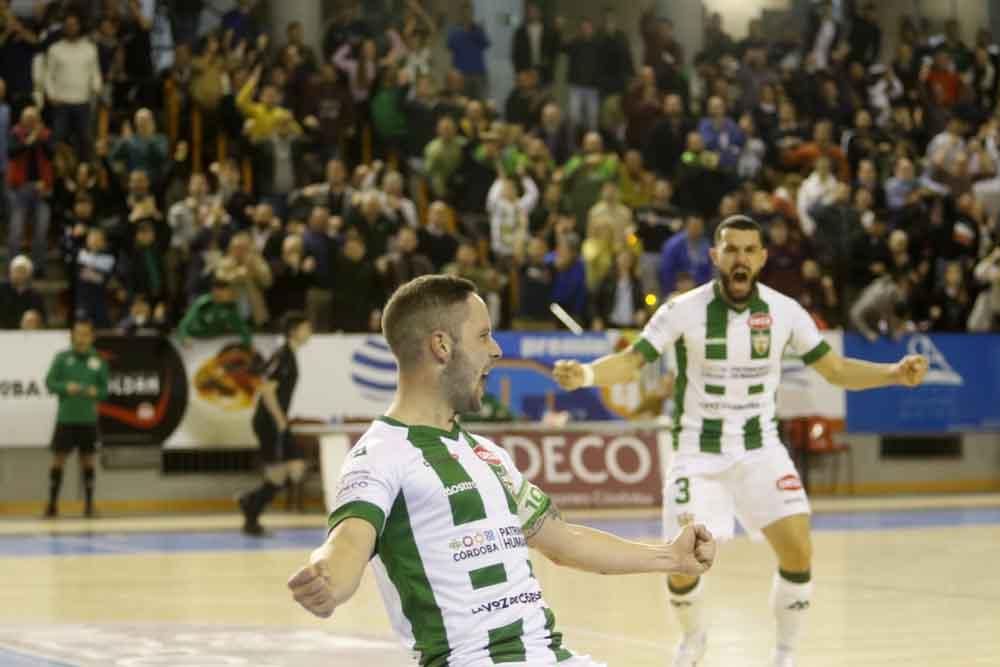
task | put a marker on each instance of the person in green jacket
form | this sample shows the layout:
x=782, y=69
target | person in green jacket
x=214, y=314
x=79, y=377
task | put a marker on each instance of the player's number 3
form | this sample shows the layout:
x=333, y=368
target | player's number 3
x=683, y=490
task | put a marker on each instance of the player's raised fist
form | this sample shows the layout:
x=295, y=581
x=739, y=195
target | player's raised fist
x=568, y=374
x=693, y=551
x=311, y=588
x=911, y=369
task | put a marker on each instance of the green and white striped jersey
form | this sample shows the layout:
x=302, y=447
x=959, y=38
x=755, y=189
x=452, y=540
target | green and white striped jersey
x=728, y=364
x=451, y=561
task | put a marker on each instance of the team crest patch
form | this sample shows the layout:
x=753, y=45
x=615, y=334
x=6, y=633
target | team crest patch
x=487, y=455
x=761, y=341
x=789, y=483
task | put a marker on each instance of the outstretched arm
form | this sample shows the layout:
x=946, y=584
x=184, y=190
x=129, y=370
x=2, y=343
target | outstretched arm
x=690, y=553
x=335, y=569
x=851, y=373
x=608, y=370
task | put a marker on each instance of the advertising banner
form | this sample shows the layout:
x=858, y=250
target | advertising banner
x=961, y=391
x=578, y=469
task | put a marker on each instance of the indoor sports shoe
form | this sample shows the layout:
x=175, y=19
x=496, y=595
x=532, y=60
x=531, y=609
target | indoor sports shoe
x=783, y=658
x=691, y=650
x=51, y=511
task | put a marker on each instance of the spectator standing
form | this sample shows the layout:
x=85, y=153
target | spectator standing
x=819, y=188
x=866, y=36
x=555, y=133
x=443, y=156
x=536, y=45
x=468, y=43
x=617, y=68
x=619, y=298
x=79, y=378
x=584, y=52
x=294, y=275
x=241, y=23
x=950, y=304
x=4, y=140
x=882, y=307
x=435, y=240
x=319, y=243
x=584, y=176
x=667, y=139
x=243, y=267
x=143, y=319
x=357, y=290
x=72, y=83
x=537, y=276
x=95, y=268
x=145, y=266
x=985, y=314
x=214, y=314
x=30, y=178
x=142, y=148
x=785, y=257
x=18, y=297
x=655, y=224
x=662, y=51
x=407, y=262
x=569, y=280
x=642, y=104
x=686, y=252
x=509, y=215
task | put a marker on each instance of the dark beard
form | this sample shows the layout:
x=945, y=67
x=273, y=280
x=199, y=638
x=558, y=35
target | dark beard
x=459, y=384
x=724, y=281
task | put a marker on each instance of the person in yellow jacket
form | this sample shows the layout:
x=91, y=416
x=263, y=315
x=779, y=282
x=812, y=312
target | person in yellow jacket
x=266, y=114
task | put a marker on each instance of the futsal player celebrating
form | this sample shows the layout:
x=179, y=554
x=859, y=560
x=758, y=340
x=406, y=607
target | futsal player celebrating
x=444, y=516
x=283, y=458
x=79, y=377
x=729, y=337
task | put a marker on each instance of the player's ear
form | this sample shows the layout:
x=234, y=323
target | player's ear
x=441, y=346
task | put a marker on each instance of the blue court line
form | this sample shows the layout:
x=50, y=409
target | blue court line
x=11, y=658
x=109, y=543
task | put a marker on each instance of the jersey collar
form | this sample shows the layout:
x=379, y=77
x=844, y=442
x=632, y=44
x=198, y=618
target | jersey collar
x=717, y=288
x=429, y=430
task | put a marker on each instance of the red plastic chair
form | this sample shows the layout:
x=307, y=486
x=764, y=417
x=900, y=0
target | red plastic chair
x=815, y=435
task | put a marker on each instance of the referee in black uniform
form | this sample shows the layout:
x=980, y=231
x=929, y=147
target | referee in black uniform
x=79, y=377
x=283, y=458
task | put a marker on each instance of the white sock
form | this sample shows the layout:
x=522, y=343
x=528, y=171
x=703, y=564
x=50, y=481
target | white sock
x=790, y=602
x=689, y=609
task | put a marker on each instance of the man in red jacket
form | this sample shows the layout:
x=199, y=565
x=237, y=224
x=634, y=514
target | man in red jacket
x=29, y=175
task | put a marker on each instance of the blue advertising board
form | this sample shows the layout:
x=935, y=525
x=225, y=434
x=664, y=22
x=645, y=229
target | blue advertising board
x=960, y=393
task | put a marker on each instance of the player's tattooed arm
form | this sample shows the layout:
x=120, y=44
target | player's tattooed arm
x=552, y=512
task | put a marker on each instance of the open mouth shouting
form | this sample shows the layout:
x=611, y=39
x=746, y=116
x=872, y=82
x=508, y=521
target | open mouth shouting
x=740, y=277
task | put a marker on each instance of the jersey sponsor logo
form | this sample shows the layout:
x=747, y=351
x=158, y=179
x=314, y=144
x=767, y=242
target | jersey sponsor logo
x=486, y=542
x=760, y=321
x=507, y=602
x=488, y=456
x=459, y=488
x=352, y=482
x=359, y=452
x=789, y=483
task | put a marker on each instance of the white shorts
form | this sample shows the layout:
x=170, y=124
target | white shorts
x=758, y=487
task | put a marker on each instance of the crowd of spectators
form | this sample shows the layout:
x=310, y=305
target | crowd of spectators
x=250, y=179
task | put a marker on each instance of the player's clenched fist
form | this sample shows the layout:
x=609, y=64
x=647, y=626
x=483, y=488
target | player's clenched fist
x=693, y=550
x=311, y=588
x=568, y=374
x=911, y=369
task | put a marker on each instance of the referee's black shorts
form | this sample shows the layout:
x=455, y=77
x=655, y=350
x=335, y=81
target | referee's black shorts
x=68, y=437
x=275, y=446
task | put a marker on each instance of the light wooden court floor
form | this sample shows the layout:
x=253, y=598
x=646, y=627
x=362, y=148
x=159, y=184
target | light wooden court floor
x=899, y=582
